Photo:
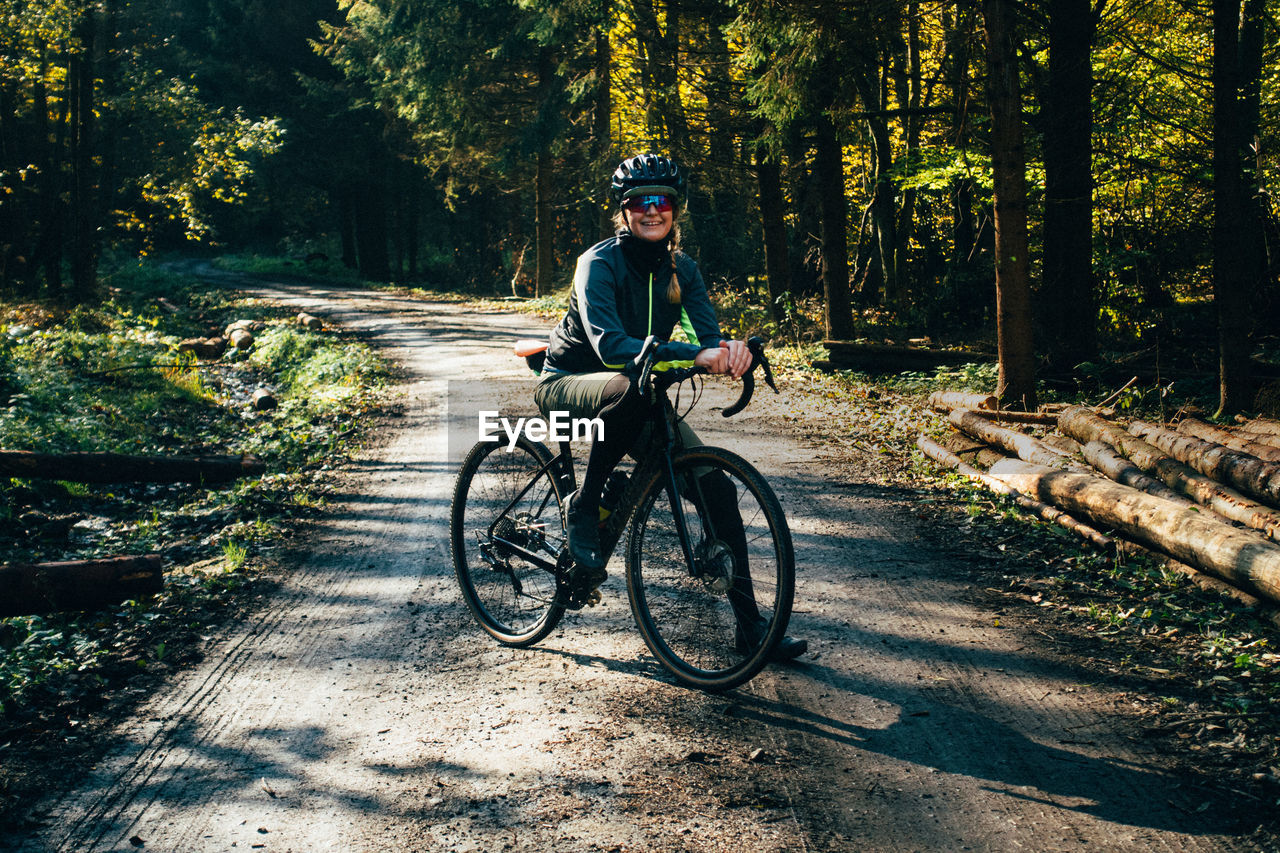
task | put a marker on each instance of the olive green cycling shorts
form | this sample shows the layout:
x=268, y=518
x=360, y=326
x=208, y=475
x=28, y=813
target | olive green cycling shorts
x=582, y=396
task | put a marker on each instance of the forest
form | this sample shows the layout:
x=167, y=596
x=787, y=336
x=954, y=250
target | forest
x=1064, y=180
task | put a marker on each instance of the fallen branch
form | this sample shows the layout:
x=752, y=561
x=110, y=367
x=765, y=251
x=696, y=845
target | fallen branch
x=77, y=585
x=120, y=468
x=1115, y=395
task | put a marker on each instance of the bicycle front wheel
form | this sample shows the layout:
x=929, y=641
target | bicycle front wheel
x=714, y=622
x=504, y=514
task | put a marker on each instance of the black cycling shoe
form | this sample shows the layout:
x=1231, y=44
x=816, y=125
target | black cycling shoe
x=746, y=637
x=584, y=547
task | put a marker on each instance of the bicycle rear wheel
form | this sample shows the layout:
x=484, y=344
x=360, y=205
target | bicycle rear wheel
x=712, y=624
x=498, y=502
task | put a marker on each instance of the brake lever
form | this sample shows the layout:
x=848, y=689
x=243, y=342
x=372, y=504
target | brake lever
x=643, y=361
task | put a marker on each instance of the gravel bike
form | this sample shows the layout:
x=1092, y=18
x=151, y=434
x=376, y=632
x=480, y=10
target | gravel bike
x=710, y=568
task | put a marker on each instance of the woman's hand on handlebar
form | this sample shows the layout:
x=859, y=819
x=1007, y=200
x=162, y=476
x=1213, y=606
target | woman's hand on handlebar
x=731, y=357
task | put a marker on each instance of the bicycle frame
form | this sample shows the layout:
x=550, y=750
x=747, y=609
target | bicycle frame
x=611, y=533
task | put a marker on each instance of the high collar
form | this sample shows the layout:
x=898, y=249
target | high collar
x=646, y=256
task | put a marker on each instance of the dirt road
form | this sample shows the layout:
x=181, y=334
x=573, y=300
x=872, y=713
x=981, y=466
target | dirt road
x=361, y=710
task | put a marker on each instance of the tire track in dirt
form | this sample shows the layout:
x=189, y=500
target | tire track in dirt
x=359, y=708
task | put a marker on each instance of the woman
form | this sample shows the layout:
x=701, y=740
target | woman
x=632, y=285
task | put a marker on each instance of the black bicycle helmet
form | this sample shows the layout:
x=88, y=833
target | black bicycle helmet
x=647, y=173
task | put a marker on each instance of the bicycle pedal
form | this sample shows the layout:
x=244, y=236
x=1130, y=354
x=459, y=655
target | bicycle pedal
x=594, y=598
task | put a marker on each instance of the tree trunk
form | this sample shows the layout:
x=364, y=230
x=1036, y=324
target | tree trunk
x=912, y=125
x=602, y=128
x=1026, y=447
x=946, y=401
x=1066, y=305
x=119, y=468
x=1008, y=161
x=660, y=55
x=829, y=164
x=347, y=228
x=371, y=231
x=84, y=231
x=1240, y=557
x=1230, y=277
x=1247, y=473
x=544, y=220
x=1209, y=432
x=1049, y=513
x=1101, y=456
x=78, y=585
x=1084, y=426
x=963, y=232
x=773, y=225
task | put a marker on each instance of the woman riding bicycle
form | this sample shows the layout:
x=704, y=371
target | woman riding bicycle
x=632, y=285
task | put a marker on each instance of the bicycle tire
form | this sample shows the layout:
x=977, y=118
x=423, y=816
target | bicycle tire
x=513, y=599
x=692, y=624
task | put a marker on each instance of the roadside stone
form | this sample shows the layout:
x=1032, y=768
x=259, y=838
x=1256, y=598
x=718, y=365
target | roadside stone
x=263, y=400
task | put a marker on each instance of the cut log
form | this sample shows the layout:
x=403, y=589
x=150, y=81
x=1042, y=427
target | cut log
x=120, y=468
x=1062, y=444
x=263, y=400
x=1115, y=466
x=1240, y=557
x=1264, y=426
x=1236, y=441
x=1265, y=439
x=946, y=401
x=1249, y=474
x=989, y=456
x=204, y=348
x=1026, y=447
x=882, y=358
x=310, y=321
x=241, y=339
x=77, y=585
x=940, y=454
x=1008, y=417
x=1083, y=425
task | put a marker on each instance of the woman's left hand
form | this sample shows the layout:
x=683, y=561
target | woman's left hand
x=739, y=358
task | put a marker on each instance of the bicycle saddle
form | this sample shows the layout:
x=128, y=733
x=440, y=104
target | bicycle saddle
x=533, y=352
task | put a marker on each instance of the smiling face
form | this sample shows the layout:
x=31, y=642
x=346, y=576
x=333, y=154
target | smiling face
x=653, y=223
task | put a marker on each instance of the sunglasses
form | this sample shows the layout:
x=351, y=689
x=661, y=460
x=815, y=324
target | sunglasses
x=641, y=203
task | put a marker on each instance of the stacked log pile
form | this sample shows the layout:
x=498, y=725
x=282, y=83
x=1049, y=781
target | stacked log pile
x=1205, y=497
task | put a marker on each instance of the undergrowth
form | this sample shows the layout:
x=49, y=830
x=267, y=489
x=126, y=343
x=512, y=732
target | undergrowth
x=109, y=377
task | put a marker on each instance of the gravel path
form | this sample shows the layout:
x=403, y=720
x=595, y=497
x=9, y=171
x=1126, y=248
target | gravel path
x=360, y=709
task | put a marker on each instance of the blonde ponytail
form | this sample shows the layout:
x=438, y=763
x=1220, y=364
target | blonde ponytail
x=674, y=294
